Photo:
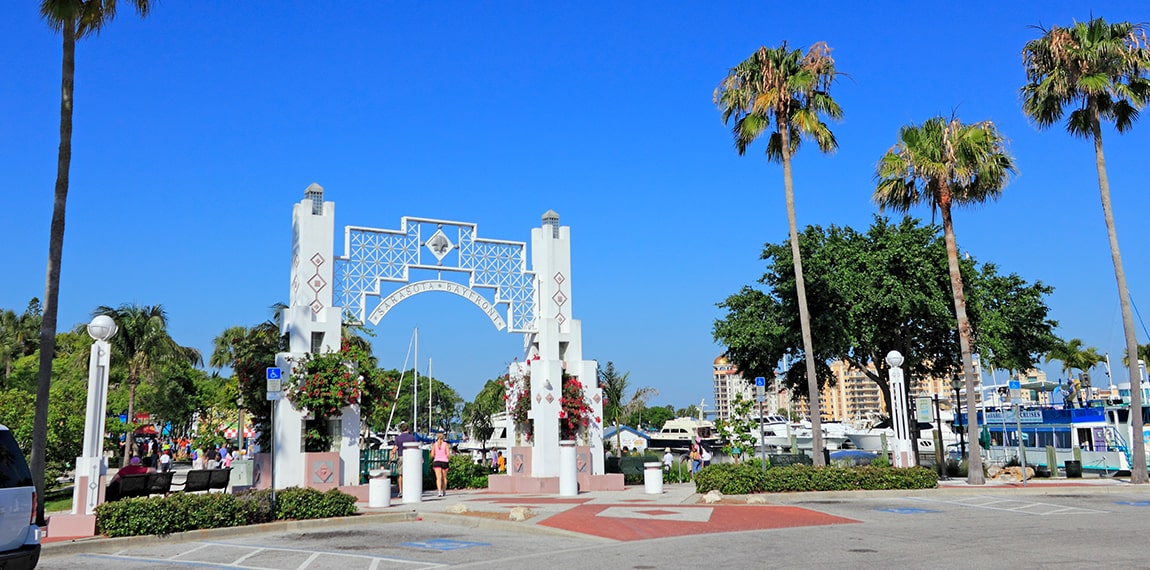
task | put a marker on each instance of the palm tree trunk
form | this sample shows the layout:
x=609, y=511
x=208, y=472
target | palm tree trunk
x=128, y=437
x=974, y=474
x=52, y=285
x=1138, y=473
x=801, y=293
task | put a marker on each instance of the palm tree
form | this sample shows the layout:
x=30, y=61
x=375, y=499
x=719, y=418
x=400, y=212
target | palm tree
x=1074, y=357
x=1100, y=71
x=791, y=90
x=946, y=163
x=75, y=20
x=614, y=386
x=249, y=352
x=141, y=345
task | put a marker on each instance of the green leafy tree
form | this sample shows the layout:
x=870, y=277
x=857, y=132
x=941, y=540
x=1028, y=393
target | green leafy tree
x=656, y=416
x=1013, y=330
x=882, y=290
x=477, y=414
x=870, y=293
x=141, y=347
x=249, y=352
x=945, y=163
x=739, y=430
x=68, y=404
x=1100, y=72
x=791, y=90
x=18, y=336
x=443, y=402
x=74, y=20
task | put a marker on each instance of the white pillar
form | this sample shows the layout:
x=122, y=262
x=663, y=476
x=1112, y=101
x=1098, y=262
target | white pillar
x=568, y=476
x=412, y=473
x=653, y=478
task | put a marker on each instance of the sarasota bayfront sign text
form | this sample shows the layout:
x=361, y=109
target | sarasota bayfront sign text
x=389, y=302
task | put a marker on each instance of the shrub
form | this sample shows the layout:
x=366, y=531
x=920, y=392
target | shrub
x=730, y=479
x=956, y=468
x=463, y=473
x=305, y=503
x=181, y=512
x=748, y=478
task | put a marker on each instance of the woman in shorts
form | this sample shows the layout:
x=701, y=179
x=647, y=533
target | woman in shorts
x=440, y=457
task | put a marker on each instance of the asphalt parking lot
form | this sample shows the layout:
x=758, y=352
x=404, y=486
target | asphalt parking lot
x=1035, y=528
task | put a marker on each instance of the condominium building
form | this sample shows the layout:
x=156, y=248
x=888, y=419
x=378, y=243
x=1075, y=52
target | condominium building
x=727, y=383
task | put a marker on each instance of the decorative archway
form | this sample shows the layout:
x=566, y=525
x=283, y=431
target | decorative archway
x=533, y=299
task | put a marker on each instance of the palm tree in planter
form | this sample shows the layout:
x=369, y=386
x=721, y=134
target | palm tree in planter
x=945, y=163
x=791, y=90
x=1098, y=70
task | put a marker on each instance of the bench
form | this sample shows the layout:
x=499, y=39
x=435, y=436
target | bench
x=206, y=479
x=140, y=485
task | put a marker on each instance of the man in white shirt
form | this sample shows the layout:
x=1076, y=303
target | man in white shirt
x=668, y=459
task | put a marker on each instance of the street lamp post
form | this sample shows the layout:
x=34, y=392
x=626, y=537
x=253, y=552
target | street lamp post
x=956, y=383
x=92, y=467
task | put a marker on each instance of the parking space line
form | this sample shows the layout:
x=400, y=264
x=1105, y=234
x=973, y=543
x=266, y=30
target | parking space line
x=1022, y=506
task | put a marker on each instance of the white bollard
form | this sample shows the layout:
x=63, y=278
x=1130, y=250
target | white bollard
x=412, y=473
x=653, y=478
x=568, y=476
x=379, y=488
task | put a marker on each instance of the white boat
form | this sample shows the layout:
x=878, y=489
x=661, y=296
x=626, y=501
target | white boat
x=1100, y=434
x=679, y=433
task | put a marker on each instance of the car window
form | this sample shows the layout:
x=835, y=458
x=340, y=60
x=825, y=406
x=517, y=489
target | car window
x=14, y=470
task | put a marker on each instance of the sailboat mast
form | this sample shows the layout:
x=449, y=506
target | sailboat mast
x=430, y=379
x=415, y=385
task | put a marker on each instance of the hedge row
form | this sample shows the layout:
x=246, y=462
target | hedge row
x=180, y=512
x=749, y=478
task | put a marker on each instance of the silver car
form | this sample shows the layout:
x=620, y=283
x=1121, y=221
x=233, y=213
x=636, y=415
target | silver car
x=19, y=535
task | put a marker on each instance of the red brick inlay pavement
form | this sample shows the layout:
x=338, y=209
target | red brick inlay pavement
x=684, y=520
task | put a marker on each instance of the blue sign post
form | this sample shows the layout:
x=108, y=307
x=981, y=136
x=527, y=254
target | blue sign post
x=760, y=388
x=275, y=383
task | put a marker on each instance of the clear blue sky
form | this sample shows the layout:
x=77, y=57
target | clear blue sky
x=198, y=128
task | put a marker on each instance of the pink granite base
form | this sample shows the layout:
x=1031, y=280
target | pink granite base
x=71, y=526
x=519, y=484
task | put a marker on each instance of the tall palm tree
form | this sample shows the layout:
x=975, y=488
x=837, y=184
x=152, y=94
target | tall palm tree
x=946, y=163
x=75, y=20
x=141, y=345
x=791, y=90
x=1098, y=70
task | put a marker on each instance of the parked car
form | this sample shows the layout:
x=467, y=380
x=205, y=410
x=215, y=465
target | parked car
x=19, y=535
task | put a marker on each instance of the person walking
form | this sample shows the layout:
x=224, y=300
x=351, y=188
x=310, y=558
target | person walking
x=440, y=460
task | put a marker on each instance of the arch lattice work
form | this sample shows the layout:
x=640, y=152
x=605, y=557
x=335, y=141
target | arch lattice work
x=375, y=256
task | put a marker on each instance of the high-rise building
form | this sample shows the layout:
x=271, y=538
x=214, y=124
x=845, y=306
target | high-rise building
x=854, y=396
x=727, y=383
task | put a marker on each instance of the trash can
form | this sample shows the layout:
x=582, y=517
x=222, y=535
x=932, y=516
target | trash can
x=1073, y=469
x=379, y=488
x=653, y=478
